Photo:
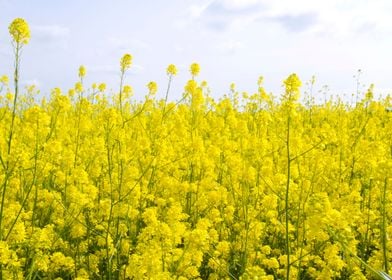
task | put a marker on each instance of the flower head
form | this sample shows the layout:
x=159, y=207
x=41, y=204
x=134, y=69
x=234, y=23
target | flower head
x=125, y=62
x=4, y=80
x=194, y=69
x=78, y=87
x=292, y=85
x=82, y=71
x=171, y=70
x=102, y=87
x=152, y=87
x=20, y=31
x=127, y=90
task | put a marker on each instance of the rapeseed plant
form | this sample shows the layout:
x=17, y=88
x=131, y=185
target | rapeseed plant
x=244, y=187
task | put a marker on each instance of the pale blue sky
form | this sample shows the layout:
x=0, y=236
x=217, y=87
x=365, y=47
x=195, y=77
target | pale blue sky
x=233, y=40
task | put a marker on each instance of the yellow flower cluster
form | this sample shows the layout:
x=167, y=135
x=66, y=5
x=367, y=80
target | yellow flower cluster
x=82, y=72
x=292, y=85
x=171, y=70
x=125, y=62
x=194, y=69
x=20, y=31
x=152, y=87
x=195, y=189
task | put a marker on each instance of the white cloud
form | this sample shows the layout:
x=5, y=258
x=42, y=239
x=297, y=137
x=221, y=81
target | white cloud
x=230, y=46
x=126, y=44
x=50, y=32
x=239, y=4
x=334, y=18
x=32, y=82
x=115, y=69
x=178, y=48
x=196, y=11
x=327, y=18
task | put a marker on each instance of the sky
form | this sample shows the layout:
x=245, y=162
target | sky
x=232, y=40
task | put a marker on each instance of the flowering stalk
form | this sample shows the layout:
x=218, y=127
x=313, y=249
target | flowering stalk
x=20, y=33
x=292, y=85
x=125, y=63
x=171, y=71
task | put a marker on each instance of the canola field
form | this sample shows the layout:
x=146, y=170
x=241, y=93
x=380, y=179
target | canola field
x=98, y=185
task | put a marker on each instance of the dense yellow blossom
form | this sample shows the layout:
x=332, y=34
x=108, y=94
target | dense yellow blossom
x=102, y=87
x=4, y=79
x=193, y=189
x=20, y=31
x=125, y=62
x=82, y=71
x=171, y=70
x=194, y=69
x=292, y=85
x=152, y=87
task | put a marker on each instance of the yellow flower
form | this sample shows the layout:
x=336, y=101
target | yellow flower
x=292, y=85
x=125, y=62
x=20, y=31
x=369, y=93
x=260, y=81
x=190, y=86
x=171, y=70
x=78, y=87
x=194, y=69
x=127, y=91
x=4, y=80
x=152, y=87
x=82, y=71
x=102, y=87
x=59, y=262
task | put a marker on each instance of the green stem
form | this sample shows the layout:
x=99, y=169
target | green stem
x=10, y=137
x=287, y=197
x=384, y=228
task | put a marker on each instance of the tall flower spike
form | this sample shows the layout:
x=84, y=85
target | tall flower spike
x=20, y=31
x=152, y=87
x=292, y=85
x=194, y=69
x=125, y=62
x=82, y=71
x=171, y=70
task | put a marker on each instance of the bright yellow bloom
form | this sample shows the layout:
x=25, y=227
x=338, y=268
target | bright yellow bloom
x=369, y=93
x=292, y=85
x=152, y=87
x=59, y=262
x=127, y=89
x=20, y=31
x=78, y=87
x=190, y=86
x=260, y=81
x=125, y=62
x=171, y=70
x=82, y=71
x=194, y=69
x=102, y=87
x=4, y=80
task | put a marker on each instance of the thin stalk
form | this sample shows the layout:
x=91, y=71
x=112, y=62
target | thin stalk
x=384, y=228
x=287, y=196
x=10, y=137
x=166, y=96
x=121, y=89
